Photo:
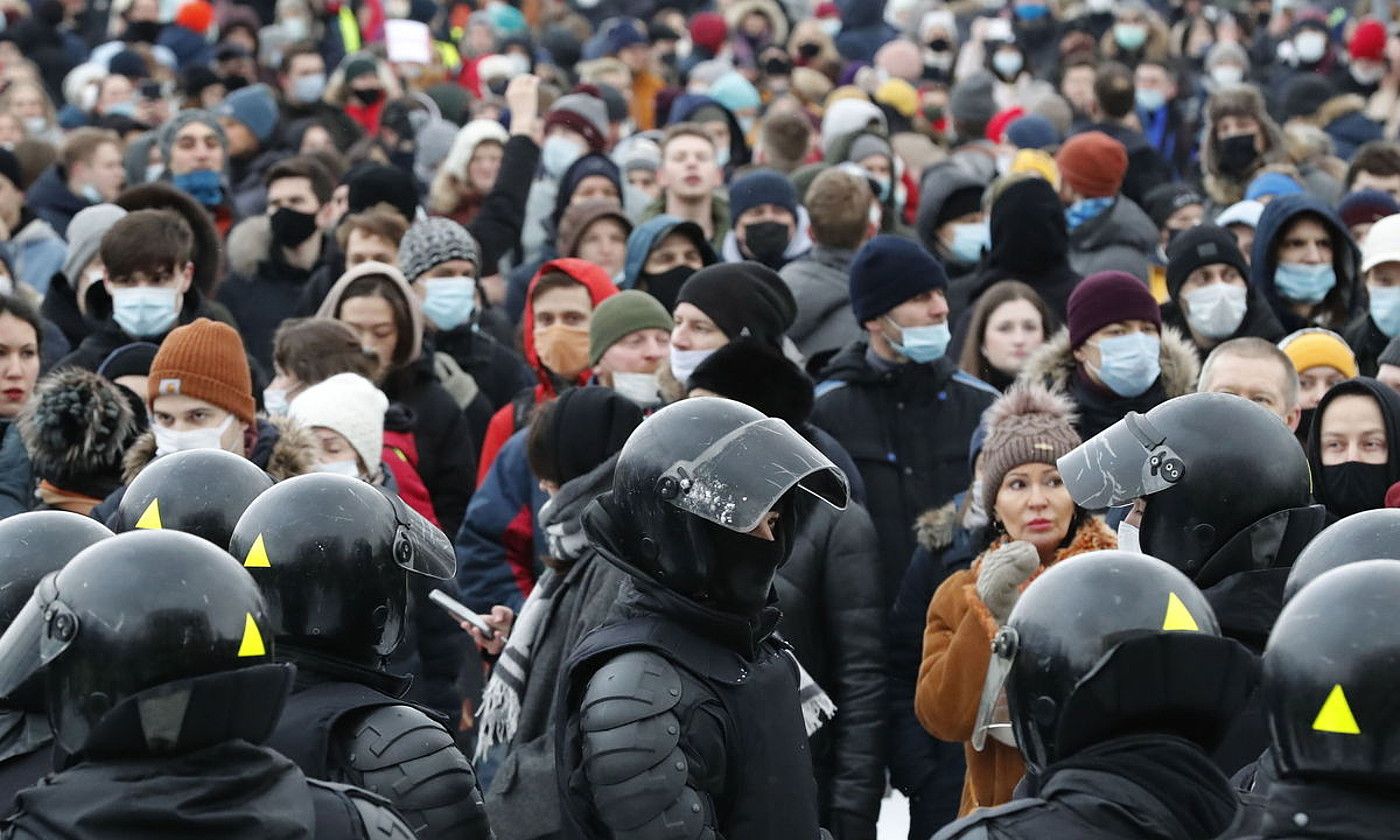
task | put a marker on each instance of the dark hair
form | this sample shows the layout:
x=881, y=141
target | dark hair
x=380, y=286
x=972, y=361
x=554, y=280
x=23, y=310
x=1379, y=157
x=315, y=349
x=147, y=242
x=296, y=51
x=304, y=166
x=1113, y=87
x=786, y=138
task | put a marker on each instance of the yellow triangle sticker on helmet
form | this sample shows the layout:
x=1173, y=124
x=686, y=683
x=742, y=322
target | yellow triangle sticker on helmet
x=1335, y=714
x=252, y=644
x=151, y=518
x=1178, y=617
x=257, y=556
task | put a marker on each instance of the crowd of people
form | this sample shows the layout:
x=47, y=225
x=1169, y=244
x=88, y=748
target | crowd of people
x=751, y=369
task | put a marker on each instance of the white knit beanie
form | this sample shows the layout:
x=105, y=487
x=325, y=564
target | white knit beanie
x=349, y=405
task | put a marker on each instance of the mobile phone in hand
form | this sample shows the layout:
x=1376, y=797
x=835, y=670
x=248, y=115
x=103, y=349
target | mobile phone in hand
x=459, y=611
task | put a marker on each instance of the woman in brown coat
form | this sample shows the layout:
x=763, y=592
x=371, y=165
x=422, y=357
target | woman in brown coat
x=1035, y=525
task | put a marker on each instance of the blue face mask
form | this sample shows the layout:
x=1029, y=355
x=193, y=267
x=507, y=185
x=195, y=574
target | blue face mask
x=1029, y=13
x=558, y=154
x=145, y=311
x=922, y=344
x=203, y=185
x=722, y=157
x=969, y=241
x=1149, y=100
x=1304, y=283
x=1385, y=309
x=884, y=189
x=1086, y=210
x=449, y=301
x=1130, y=363
x=1130, y=36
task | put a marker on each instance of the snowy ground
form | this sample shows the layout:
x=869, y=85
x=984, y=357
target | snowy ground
x=894, y=817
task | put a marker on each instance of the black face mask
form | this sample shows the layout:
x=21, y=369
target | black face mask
x=367, y=97
x=291, y=228
x=1353, y=487
x=809, y=50
x=666, y=285
x=1305, y=421
x=497, y=86
x=745, y=566
x=777, y=67
x=939, y=45
x=1237, y=155
x=142, y=32
x=767, y=241
x=233, y=82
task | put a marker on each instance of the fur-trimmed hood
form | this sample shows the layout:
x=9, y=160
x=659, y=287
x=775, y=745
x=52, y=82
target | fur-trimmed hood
x=934, y=529
x=1053, y=364
x=248, y=244
x=284, y=449
x=1238, y=100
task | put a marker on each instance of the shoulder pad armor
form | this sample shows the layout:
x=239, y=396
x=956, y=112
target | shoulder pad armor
x=403, y=755
x=636, y=685
x=376, y=817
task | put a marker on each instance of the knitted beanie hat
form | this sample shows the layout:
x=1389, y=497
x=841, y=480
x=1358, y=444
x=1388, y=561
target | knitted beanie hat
x=204, y=360
x=85, y=234
x=1107, y=298
x=1027, y=425
x=583, y=112
x=184, y=118
x=761, y=186
x=349, y=405
x=971, y=99
x=621, y=315
x=255, y=107
x=1093, y=164
x=76, y=429
x=580, y=217
x=433, y=241
x=1315, y=347
x=887, y=271
x=1198, y=247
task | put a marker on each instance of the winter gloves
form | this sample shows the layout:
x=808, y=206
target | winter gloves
x=1001, y=575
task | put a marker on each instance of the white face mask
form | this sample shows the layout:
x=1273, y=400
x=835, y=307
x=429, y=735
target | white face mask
x=1227, y=75
x=346, y=468
x=169, y=440
x=1129, y=538
x=1217, y=310
x=644, y=389
x=275, y=401
x=1310, y=45
x=684, y=363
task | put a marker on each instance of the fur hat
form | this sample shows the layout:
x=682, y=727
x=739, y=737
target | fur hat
x=758, y=375
x=1029, y=424
x=76, y=429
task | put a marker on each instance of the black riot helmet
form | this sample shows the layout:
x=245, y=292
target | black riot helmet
x=1329, y=677
x=129, y=613
x=198, y=491
x=1226, y=484
x=693, y=480
x=1108, y=644
x=1369, y=535
x=34, y=544
x=330, y=552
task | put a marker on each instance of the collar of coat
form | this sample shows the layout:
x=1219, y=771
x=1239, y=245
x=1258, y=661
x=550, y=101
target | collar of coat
x=1053, y=364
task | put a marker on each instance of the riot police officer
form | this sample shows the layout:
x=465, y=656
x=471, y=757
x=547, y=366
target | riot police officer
x=1221, y=491
x=1329, y=693
x=330, y=553
x=198, y=491
x=1100, y=666
x=31, y=546
x=680, y=717
x=155, y=654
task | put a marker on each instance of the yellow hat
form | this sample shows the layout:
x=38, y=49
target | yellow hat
x=846, y=92
x=1315, y=347
x=899, y=95
x=1039, y=163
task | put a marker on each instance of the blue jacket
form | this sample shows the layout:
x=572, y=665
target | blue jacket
x=488, y=566
x=190, y=47
x=863, y=29
x=1347, y=298
x=52, y=201
x=36, y=251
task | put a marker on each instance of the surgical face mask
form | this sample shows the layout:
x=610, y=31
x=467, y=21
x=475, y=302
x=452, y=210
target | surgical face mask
x=169, y=440
x=1385, y=309
x=145, y=311
x=346, y=468
x=831, y=26
x=154, y=171
x=1129, y=364
x=91, y=194
x=35, y=125
x=922, y=344
x=1031, y=13
x=449, y=301
x=722, y=157
x=644, y=389
x=275, y=401
x=562, y=348
x=1149, y=100
x=1008, y=63
x=1304, y=283
x=969, y=241
x=1100, y=7
x=1130, y=36
x=296, y=29
x=1217, y=310
x=308, y=89
x=1129, y=538
x=558, y=154
x=1366, y=74
x=1310, y=45
x=123, y=109
x=884, y=189
x=1227, y=75
x=684, y=363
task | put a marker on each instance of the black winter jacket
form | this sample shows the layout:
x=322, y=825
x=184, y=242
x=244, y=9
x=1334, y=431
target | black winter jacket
x=1367, y=342
x=446, y=461
x=829, y=592
x=499, y=371
x=1329, y=811
x=907, y=427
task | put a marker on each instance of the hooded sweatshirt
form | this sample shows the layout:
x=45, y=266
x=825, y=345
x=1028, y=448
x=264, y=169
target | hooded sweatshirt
x=1325, y=486
x=1345, y=300
x=644, y=239
x=511, y=417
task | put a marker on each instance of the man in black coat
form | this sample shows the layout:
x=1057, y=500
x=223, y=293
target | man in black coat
x=895, y=402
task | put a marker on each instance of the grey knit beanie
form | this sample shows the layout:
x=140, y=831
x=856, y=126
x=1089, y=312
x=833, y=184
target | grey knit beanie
x=1027, y=425
x=971, y=99
x=184, y=118
x=432, y=242
x=85, y=234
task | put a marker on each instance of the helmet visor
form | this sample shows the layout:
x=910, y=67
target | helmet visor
x=420, y=547
x=43, y=630
x=993, y=716
x=1126, y=461
x=739, y=478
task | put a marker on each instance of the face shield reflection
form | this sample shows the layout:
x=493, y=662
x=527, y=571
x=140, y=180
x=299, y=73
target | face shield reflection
x=43, y=630
x=1126, y=461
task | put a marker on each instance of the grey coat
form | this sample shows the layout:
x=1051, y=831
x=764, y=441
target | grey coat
x=1123, y=238
x=820, y=282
